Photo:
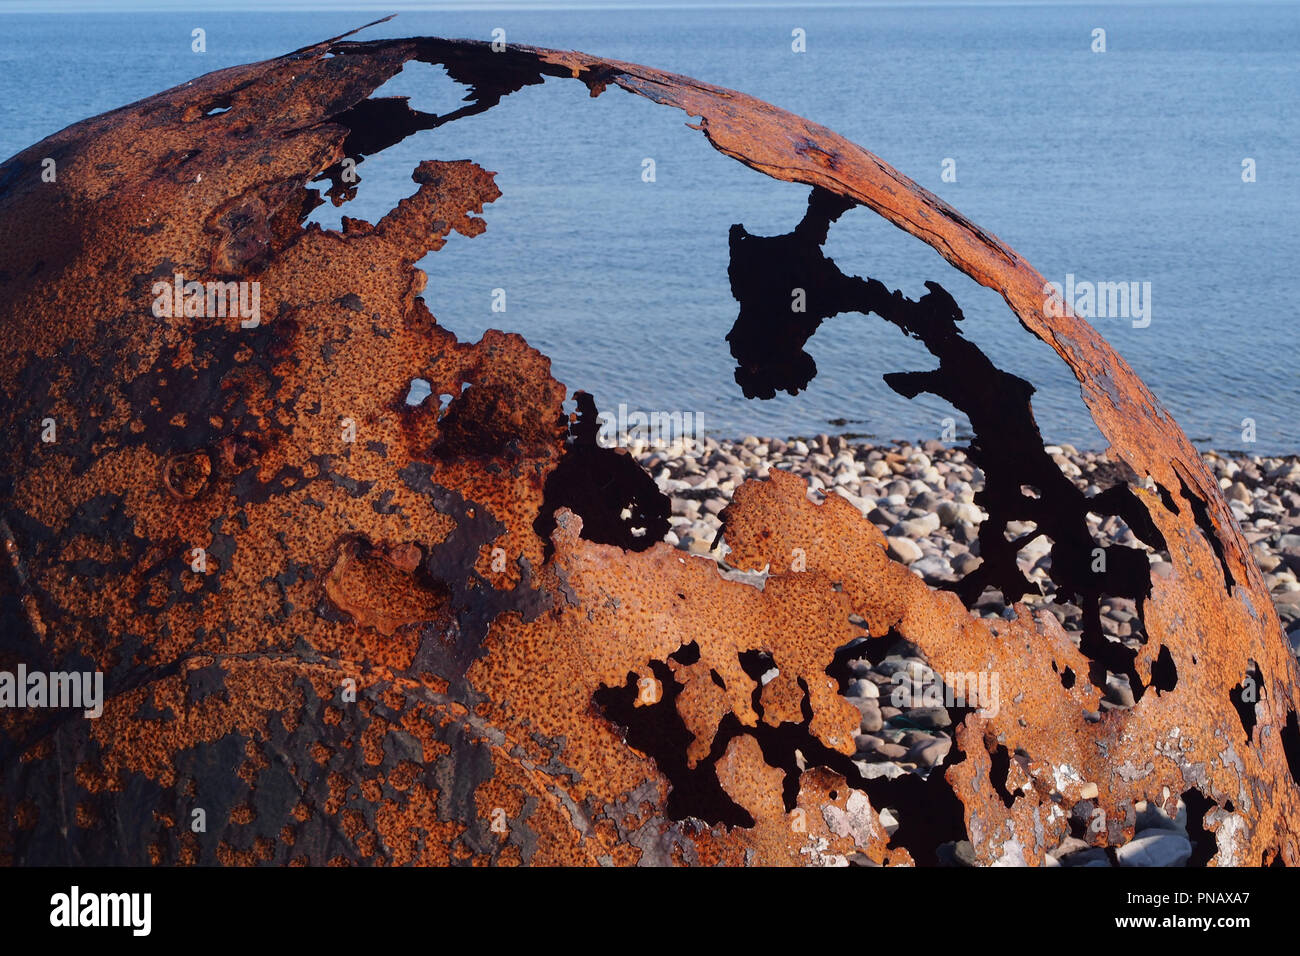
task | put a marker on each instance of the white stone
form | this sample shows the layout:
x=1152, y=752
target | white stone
x=903, y=549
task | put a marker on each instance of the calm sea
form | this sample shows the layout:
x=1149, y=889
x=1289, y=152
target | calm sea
x=1122, y=166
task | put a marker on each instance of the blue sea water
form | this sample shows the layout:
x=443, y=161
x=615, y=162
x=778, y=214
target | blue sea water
x=1117, y=166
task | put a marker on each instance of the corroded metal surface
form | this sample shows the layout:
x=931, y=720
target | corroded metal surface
x=441, y=635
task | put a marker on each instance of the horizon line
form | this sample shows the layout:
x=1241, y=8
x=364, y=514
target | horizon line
x=65, y=7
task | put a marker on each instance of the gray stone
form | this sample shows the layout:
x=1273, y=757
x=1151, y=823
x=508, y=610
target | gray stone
x=860, y=667
x=872, y=720
x=1156, y=848
x=874, y=745
x=913, y=667
x=926, y=501
x=933, y=718
x=929, y=753
x=880, y=516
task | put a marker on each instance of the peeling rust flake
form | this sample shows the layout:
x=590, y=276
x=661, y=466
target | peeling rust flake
x=351, y=630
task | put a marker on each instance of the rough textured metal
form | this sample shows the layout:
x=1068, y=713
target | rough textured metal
x=590, y=698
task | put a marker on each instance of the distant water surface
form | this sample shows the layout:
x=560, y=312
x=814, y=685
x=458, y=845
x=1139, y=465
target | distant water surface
x=1116, y=166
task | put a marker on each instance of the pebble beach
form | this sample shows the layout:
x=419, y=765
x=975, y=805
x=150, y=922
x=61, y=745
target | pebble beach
x=921, y=497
